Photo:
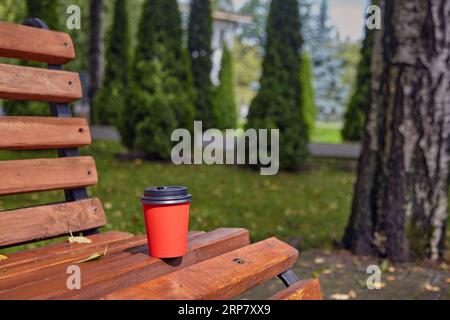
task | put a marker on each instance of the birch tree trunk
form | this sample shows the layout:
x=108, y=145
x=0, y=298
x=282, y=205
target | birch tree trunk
x=96, y=51
x=400, y=205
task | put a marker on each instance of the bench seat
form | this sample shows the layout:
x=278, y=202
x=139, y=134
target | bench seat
x=220, y=264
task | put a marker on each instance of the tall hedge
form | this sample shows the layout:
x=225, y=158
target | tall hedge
x=199, y=45
x=307, y=92
x=225, y=99
x=50, y=12
x=278, y=104
x=354, y=117
x=160, y=97
x=111, y=96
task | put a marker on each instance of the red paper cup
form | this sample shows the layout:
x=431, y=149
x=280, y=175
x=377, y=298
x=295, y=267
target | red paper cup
x=166, y=212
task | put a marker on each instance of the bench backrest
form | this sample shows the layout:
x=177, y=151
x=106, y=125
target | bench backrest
x=69, y=171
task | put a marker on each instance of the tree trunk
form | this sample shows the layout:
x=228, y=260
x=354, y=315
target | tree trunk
x=400, y=204
x=96, y=49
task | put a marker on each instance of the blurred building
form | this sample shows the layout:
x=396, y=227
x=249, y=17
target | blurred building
x=225, y=27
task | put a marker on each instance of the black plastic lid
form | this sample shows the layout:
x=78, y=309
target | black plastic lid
x=166, y=195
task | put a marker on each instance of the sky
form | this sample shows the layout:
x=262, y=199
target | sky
x=346, y=15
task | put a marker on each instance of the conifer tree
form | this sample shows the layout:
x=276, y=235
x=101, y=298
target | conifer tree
x=111, y=96
x=48, y=11
x=225, y=100
x=354, y=117
x=160, y=96
x=307, y=92
x=199, y=44
x=278, y=102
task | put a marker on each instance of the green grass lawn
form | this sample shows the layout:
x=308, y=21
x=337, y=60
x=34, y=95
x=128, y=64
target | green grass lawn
x=311, y=206
x=327, y=133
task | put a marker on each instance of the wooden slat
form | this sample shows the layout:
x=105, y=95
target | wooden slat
x=139, y=268
x=223, y=277
x=27, y=43
x=118, y=270
x=27, y=83
x=43, y=222
x=303, y=290
x=22, y=176
x=37, y=255
x=43, y=133
x=43, y=267
x=42, y=262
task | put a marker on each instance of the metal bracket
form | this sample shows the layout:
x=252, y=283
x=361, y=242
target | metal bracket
x=289, y=278
x=62, y=111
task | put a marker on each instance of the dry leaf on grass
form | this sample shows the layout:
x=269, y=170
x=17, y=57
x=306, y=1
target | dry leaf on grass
x=447, y=280
x=391, y=278
x=340, y=296
x=379, y=285
x=319, y=260
x=352, y=294
x=2, y=257
x=431, y=288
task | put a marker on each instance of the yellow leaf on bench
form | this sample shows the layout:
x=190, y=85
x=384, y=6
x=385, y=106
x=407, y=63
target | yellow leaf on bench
x=80, y=240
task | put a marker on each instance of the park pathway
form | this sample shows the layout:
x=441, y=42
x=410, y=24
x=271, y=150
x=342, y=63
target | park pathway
x=320, y=150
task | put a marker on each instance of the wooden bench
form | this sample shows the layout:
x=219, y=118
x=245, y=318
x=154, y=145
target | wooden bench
x=220, y=264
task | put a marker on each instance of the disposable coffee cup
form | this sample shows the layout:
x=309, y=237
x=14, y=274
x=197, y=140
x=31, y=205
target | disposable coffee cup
x=166, y=212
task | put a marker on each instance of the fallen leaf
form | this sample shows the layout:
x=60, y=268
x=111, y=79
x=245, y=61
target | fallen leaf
x=339, y=266
x=108, y=205
x=319, y=260
x=447, y=280
x=391, y=278
x=352, y=294
x=79, y=240
x=362, y=283
x=96, y=256
x=340, y=296
x=327, y=271
x=384, y=265
x=379, y=285
x=391, y=269
x=431, y=288
x=2, y=257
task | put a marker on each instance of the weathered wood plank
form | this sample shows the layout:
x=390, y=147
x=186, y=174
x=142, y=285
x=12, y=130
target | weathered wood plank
x=37, y=255
x=27, y=43
x=43, y=267
x=43, y=133
x=303, y=290
x=22, y=176
x=119, y=270
x=44, y=222
x=45, y=262
x=27, y=83
x=223, y=277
